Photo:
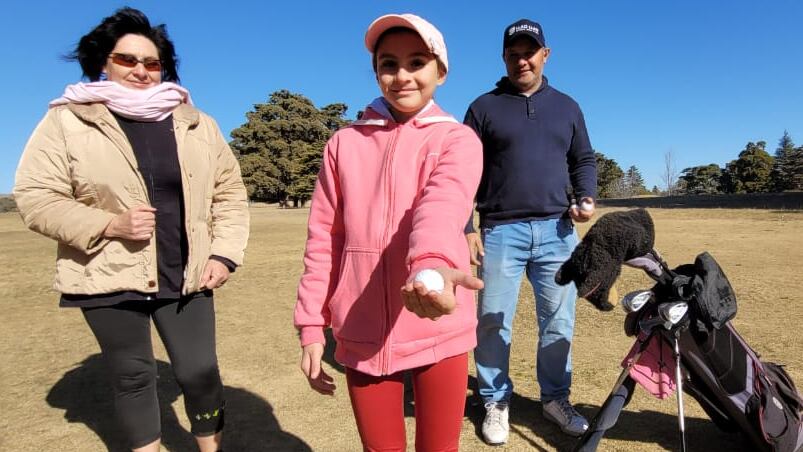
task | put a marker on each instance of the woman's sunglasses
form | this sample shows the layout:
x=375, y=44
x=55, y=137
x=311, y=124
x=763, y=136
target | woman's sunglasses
x=126, y=60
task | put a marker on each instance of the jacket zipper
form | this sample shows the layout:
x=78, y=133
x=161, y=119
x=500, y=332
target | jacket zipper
x=151, y=202
x=111, y=130
x=389, y=152
x=180, y=133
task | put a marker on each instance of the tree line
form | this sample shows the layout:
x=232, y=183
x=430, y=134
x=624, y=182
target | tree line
x=754, y=171
x=281, y=144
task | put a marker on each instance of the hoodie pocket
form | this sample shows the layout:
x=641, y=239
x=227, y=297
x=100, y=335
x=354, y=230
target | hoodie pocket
x=358, y=303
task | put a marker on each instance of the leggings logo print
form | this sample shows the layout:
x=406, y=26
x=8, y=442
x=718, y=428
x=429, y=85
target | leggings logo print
x=208, y=415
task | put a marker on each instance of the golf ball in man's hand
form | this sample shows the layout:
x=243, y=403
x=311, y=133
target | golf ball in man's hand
x=431, y=279
x=587, y=206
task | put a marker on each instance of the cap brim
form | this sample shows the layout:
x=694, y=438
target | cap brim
x=383, y=24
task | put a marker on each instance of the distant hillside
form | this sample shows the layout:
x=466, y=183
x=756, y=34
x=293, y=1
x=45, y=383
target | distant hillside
x=772, y=201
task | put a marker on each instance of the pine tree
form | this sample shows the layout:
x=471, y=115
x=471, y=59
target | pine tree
x=609, y=176
x=782, y=176
x=750, y=173
x=633, y=182
x=700, y=180
x=795, y=165
x=280, y=146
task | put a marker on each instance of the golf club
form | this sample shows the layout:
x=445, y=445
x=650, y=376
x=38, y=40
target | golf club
x=636, y=300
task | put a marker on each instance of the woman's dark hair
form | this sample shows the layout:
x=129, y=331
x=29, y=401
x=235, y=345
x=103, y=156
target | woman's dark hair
x=94, y=48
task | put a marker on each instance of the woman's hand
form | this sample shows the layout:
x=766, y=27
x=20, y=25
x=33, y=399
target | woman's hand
x=318, y=380
x=215, y=274
x=136, y=223
x=431, y=304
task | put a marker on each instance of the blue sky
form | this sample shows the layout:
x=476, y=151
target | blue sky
x=697, y=79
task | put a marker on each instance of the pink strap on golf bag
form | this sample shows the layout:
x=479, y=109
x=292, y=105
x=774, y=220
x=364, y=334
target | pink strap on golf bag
x=654, y=368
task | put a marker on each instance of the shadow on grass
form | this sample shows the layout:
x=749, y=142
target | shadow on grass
x=86, y=396
x=642, y=427
x=526, y=420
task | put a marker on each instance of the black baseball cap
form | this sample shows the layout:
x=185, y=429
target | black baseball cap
x=523, y=27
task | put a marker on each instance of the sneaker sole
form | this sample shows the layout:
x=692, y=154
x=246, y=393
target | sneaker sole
x=571, y=433
x=494, y=444
x=490, y=443
x=549, y=417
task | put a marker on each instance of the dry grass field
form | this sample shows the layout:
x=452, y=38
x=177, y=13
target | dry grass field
x=55, y=397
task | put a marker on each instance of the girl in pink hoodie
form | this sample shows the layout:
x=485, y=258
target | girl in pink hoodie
x=392, y=197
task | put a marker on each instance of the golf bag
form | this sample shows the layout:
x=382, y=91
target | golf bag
x=723, y=373
x=684, y=321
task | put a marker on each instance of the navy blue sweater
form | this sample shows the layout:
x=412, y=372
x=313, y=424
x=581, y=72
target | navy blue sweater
x=535, y=149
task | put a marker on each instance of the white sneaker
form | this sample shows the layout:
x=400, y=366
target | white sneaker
x=495, y=427
x=562, y=412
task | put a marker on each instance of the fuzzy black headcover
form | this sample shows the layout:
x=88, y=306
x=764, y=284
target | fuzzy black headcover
x=597, y=261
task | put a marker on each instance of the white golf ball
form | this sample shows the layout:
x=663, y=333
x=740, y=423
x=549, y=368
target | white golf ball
x=586, y=206
x=431, y=279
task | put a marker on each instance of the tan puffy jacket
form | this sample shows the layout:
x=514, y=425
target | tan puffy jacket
x=78, y=171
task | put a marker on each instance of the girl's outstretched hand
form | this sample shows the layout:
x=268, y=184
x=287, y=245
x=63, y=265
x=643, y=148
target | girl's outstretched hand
x=318, y=379
x=432, y=304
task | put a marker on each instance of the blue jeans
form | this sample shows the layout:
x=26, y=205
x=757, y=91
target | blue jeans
x=539, y=247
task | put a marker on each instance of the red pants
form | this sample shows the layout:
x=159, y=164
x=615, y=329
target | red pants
x=440, y=398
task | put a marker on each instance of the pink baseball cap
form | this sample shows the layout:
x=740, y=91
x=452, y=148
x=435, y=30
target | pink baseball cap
x=431, y=36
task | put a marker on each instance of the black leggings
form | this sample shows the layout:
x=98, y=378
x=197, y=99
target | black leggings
x=187, y=329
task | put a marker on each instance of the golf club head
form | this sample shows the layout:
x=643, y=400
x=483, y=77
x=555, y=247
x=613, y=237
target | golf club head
x=634, y=301
x=669, y=315
x=674, y=312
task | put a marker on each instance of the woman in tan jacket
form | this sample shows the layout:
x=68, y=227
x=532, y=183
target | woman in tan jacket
x=146, y=202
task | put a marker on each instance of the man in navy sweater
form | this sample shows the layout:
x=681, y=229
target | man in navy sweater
x=538, y=167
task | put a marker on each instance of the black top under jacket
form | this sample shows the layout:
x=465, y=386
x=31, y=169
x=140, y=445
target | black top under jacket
x=154, y=145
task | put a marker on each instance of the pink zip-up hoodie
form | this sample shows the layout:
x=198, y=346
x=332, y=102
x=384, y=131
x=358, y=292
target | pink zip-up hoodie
x=391, y=199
